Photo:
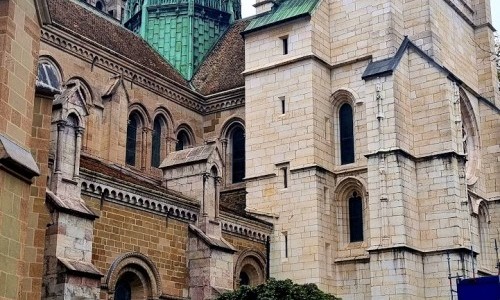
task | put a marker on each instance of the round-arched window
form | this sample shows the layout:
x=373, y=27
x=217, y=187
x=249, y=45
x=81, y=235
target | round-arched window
x=48, y=74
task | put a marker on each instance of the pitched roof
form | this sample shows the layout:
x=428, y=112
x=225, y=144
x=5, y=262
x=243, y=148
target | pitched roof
x=98, y=28
x=222, y=69
x=284, y=10
x=188, y=156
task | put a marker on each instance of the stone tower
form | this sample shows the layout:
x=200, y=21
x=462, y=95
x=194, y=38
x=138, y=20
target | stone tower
x=182, y=31
x=369, y=146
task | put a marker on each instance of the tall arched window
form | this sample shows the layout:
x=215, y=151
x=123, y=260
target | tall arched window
x=346, y=134
x=355, y=218
x=158, y=144
x=183, y=141
x=238, y=154
x=134, y=123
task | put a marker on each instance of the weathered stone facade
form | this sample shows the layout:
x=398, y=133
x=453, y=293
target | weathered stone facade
x=414, y=75
x=370, y=144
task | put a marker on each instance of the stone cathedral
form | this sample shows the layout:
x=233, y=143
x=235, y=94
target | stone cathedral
x=169, y=149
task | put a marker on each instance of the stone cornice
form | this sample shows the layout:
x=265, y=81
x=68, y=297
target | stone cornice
x=168, y=205
x=97, y=55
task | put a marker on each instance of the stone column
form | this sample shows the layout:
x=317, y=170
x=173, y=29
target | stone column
x=171, y=141
x=224, y=157
x=61, y=125
x=218, y=181
x=144, y=147
x=78, y=147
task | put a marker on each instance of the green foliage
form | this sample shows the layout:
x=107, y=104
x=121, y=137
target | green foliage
x=278, y=290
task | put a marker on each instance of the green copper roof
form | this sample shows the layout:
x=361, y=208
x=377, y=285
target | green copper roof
x=285, y=10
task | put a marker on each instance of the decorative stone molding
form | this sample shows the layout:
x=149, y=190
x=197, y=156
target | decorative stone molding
x=256, y=260
x=140, y=202
x=238, y=229
x=140, y=265
x=229, y=224
x=147, y=79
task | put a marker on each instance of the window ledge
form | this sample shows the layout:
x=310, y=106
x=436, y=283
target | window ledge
x=17, y=160
x=360, y=258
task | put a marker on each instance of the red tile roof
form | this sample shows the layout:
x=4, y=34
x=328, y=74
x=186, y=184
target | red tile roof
x=222, y=68
x=90, y=24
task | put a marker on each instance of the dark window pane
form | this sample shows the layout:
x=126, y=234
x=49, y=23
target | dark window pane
x=182, y=141
x=238, y=152
x=156, y=143
x=98, y=5
x=346, y=134
x=244, y=279
x=131, y=141
x=355, y=218
x=123, y=291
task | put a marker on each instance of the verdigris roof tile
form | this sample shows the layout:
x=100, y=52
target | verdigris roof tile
x=283, y=11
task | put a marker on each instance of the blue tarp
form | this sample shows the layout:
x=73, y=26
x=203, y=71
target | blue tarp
x=483, y=288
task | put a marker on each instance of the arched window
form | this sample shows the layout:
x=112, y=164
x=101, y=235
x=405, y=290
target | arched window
x=249, y=269
x=346, y=134
x=158, y=141
x=48, y=73
x=237, y=154
x=355, y=218
x=99, y=5
x=183, y=141
x=133, y=276
x=134, y=123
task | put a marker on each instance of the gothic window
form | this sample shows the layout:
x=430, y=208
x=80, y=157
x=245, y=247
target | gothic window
x=183, y=141
x=469, y=139
x=48, y=74
x=346, y=134
x=158, y=141
x=355, y=218
x=238, y=154
x=133, y=132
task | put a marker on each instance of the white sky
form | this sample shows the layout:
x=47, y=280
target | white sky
x=248, y=10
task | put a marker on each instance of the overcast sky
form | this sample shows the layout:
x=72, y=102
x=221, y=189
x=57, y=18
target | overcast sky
x=249, y=10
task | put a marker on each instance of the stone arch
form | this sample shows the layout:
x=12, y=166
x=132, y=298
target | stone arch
x=141, y=267
x=253, y=264
x=229, y=125
x=169, y=119
x=345, y=190
x=141, y=110
x=471, y=138
x=84, y=88
x=344, y=95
